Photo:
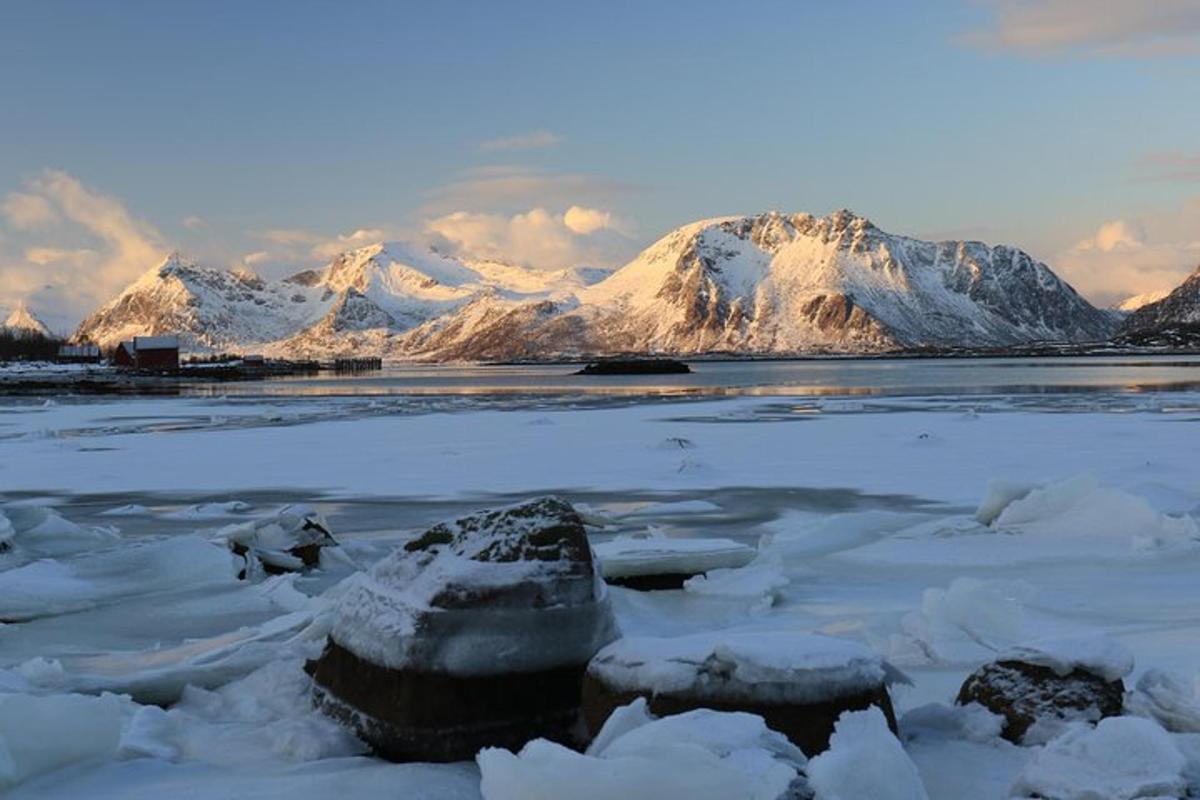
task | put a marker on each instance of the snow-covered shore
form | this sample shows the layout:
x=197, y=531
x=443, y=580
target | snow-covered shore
x=1089, y=527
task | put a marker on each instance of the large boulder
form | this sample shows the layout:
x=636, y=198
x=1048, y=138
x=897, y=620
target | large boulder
x=475, y=634
x=799, y=683
x=1050, y=683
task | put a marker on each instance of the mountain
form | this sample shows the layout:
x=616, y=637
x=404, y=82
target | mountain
x=23, y=322
x=768, y=284
x=1131, y=304
x=1174, y=316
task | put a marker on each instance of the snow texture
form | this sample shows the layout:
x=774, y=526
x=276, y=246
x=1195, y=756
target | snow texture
x=1099, y=655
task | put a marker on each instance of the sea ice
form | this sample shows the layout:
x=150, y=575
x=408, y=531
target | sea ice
x=39, y=734
x=700, y=755
x=49, y=587
x=864, y=760
x=627, y=556
x=1122, y=758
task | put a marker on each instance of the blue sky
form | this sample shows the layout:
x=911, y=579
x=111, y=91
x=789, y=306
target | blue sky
x=269, y=133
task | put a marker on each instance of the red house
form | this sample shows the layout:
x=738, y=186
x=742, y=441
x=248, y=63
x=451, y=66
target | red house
x=148, y=352
x=156, y=352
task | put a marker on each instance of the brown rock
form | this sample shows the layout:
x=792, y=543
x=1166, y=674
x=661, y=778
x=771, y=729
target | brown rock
x=1025, y=693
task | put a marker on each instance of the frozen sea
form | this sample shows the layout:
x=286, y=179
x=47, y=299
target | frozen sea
x=859, y=482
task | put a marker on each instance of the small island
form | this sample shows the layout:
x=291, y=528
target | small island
x=636, y=366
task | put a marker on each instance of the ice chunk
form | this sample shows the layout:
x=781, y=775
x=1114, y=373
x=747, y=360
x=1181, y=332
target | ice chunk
x=972, y=723
x=1168, y=698
x=700, y=755
x=626, y=557
x=1120, y=759
x=864, y=760
x=287, y=541
x=764, y=666
x=963, y=623
x=203, y=511
x=46, y=588
x=1080, y=507
x=998, y=496
x=127, y=510
x=1098, y=655
x=39, y=734
x=760, y=582
x=38, y=532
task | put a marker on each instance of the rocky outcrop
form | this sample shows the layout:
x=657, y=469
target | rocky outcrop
x=1026, y=693
x=474, y=634
x=799, y=683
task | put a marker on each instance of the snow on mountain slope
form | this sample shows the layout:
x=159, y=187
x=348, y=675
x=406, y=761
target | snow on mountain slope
x=24, y=322
x=1181, y=307
x=211, y=308
x=1133, y=303
x=767, y=284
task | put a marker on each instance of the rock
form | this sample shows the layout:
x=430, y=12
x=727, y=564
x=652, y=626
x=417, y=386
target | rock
x=636, y=366
x=657, y=562
x=288, y=541
x=476, y=634
x=1026, y=693
x=799, y=683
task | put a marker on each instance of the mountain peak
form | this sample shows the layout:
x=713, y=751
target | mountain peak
x=24, y=321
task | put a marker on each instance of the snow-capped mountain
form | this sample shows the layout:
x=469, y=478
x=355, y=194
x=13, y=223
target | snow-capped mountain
x=1180, y=308
x=1133, y=303
x=24, y=322
x=767, y=284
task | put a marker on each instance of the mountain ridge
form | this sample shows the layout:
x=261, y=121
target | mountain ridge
x=769, y=284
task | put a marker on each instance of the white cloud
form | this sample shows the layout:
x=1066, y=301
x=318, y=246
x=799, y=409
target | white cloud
x=1128, y=257
x=1091, y=27
x=525, y=141
x=43, y=256
x=536, y=238
x=1113, y=235
x=25, y=211
x=588, y=220
x=194, y=222
x=98, y=246
x=296, y=247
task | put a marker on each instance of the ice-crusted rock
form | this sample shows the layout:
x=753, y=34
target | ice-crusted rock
x=658, y=562
x=800, y=683
x=1051, y=682
x=474, y=634
x=1122, y=758
x=864, y=760
x=289, y=540
x=700, y=755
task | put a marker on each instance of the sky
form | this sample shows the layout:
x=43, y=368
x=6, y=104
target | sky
x=272, y=135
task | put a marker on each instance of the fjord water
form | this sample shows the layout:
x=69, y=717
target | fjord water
x=809, y=377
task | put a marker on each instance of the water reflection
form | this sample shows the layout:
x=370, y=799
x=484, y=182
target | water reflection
x=828, y=377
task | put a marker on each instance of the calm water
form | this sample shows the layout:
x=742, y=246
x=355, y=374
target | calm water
x=895, y=377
